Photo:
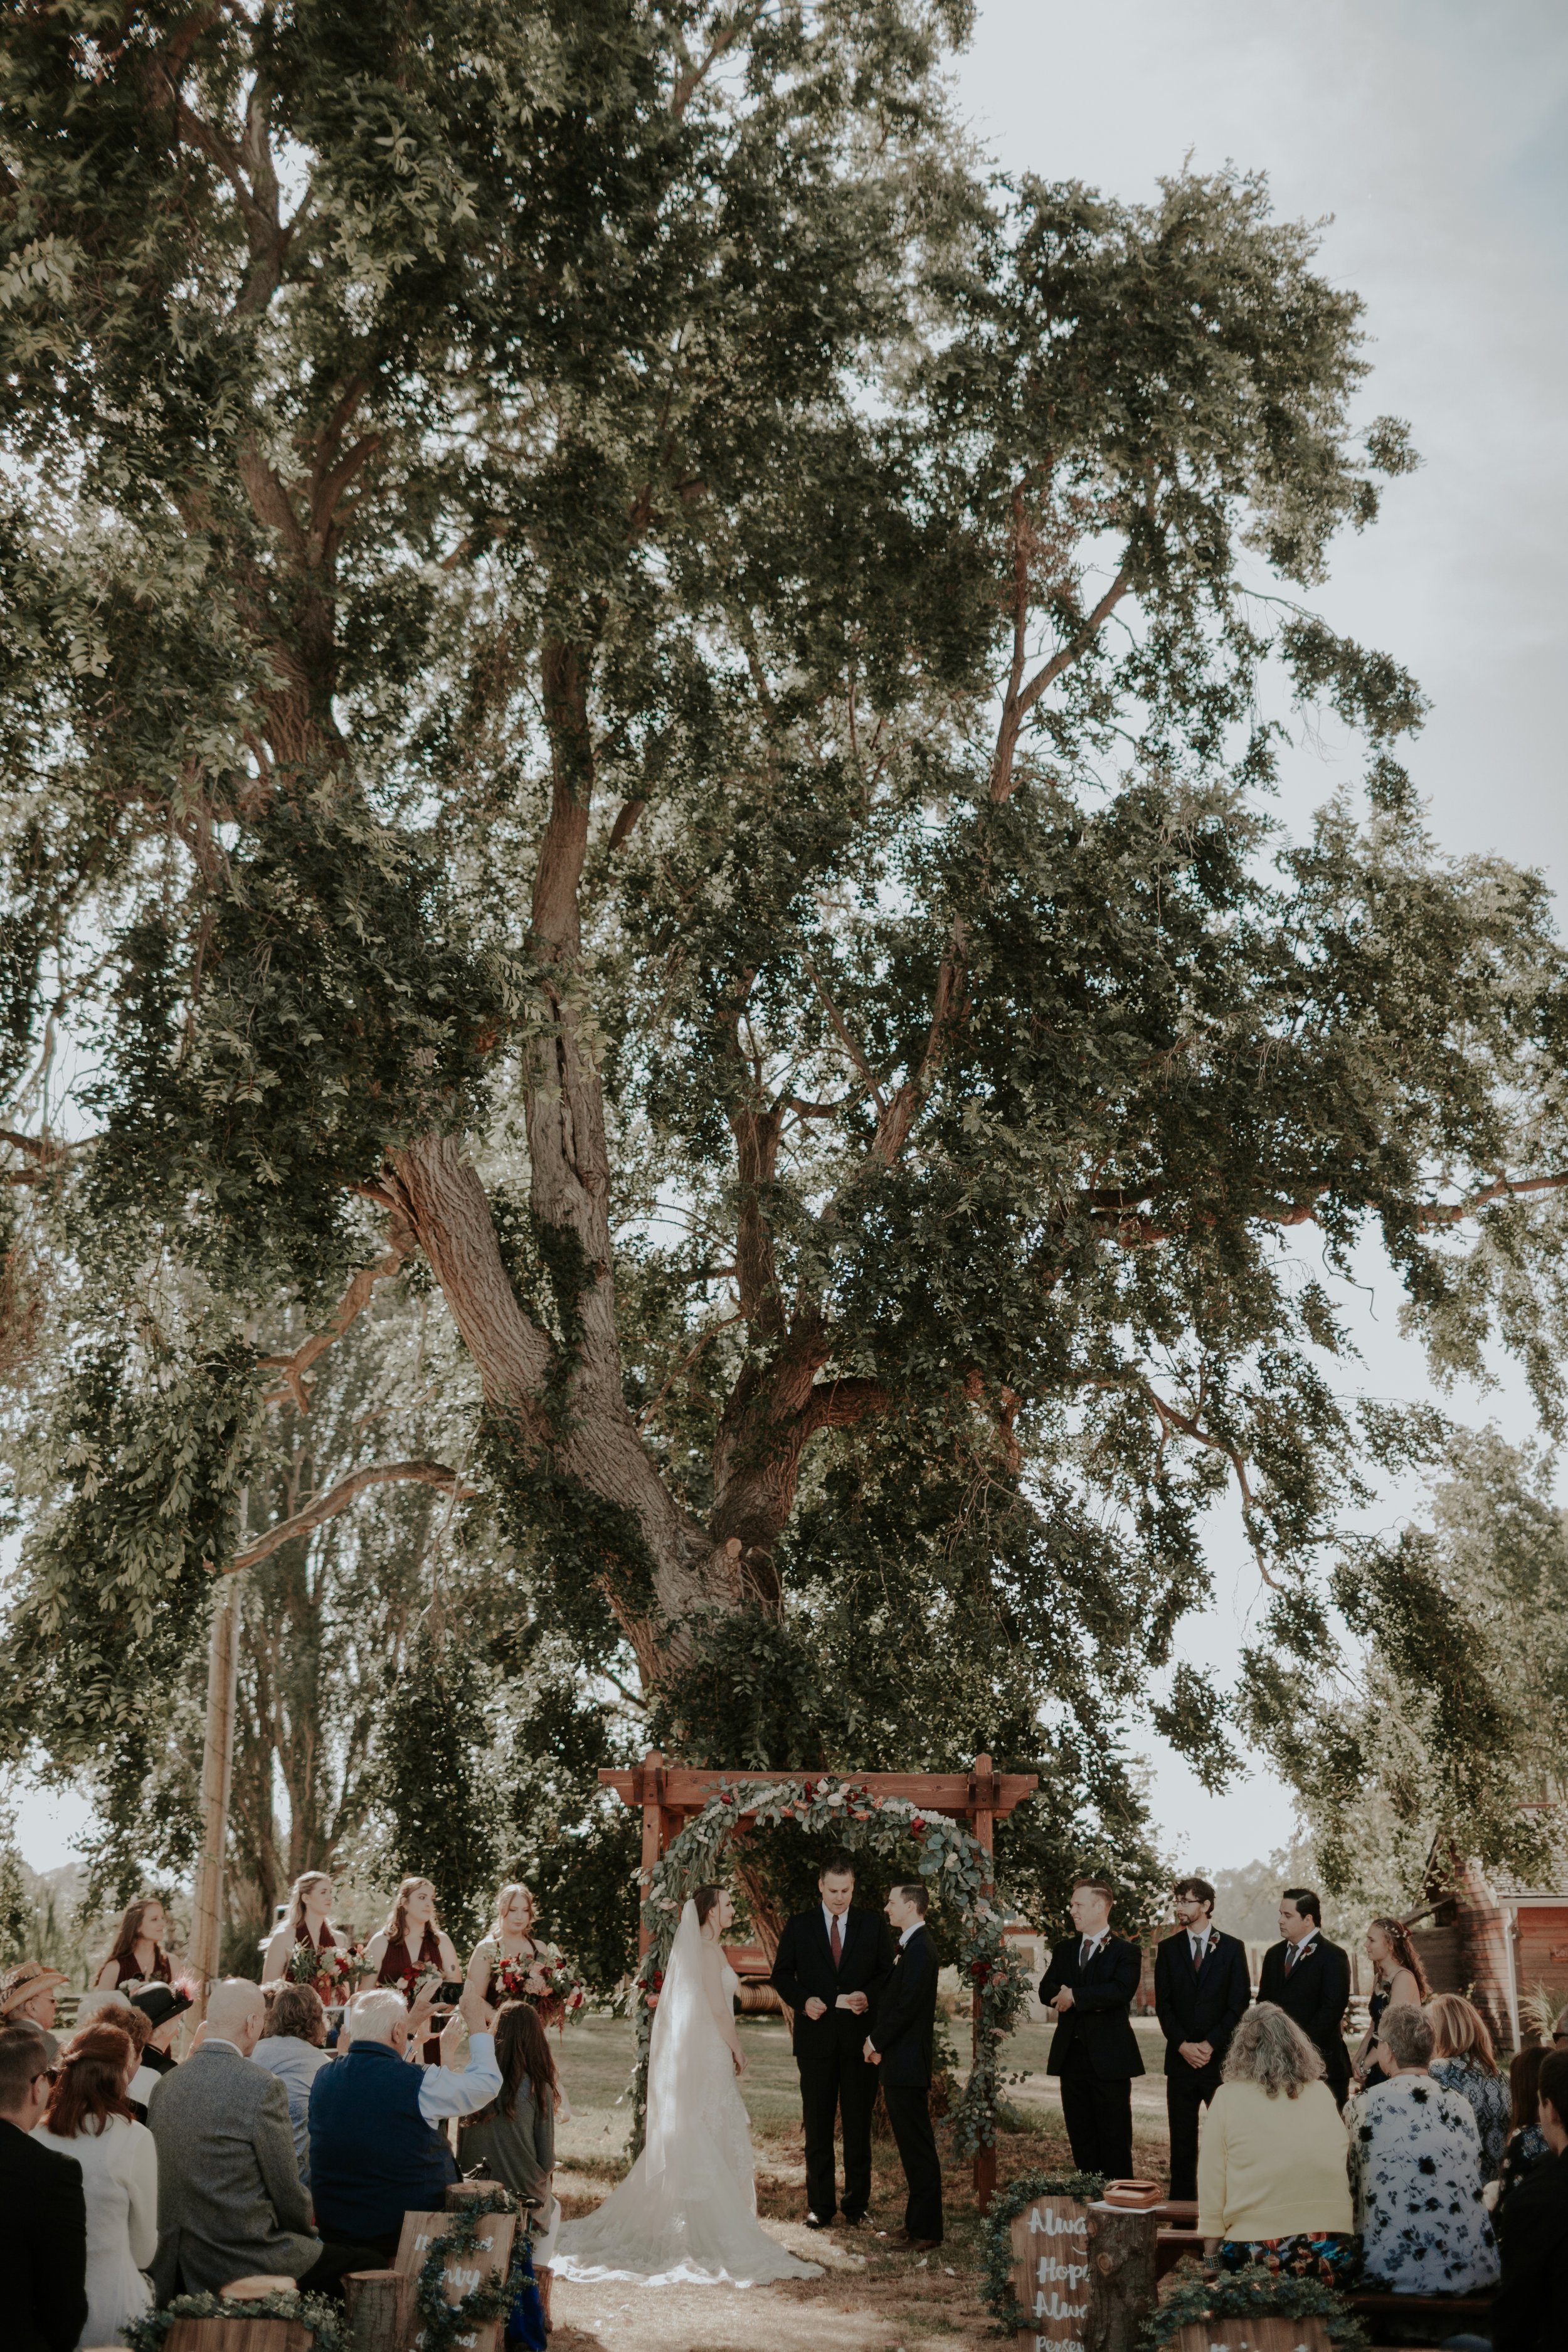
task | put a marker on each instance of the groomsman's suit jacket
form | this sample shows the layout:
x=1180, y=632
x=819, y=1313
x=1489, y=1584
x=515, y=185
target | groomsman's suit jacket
x=905, y=2029
x=1316, y=1993
x=1098, y=2025
x=1203, y=2004
x=43, y=2244
x=804, y=1969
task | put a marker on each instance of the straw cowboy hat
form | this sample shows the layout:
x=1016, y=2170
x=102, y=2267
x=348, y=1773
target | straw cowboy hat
x=26, y=1981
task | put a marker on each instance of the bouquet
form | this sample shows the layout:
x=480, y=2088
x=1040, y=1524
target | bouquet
x=548, y=1983
x=421, y=1984
x=332, y=1973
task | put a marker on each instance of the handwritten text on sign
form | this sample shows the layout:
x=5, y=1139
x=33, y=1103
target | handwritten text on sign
x=1050, y=2257
x=488, y=2261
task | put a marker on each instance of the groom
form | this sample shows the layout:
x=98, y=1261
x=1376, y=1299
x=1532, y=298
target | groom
x=901, y=2043
x=831, y=1965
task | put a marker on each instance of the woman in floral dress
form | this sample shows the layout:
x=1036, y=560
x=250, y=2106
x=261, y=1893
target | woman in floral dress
x=1464, y=2061
x=1416, y=2173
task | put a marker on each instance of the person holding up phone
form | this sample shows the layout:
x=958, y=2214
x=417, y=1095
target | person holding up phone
x=415, y=1944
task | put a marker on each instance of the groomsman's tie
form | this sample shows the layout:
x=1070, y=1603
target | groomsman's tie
x=1084, y=1951
x=1200, y=1953
x=1291, y=1957
x=835, y=1941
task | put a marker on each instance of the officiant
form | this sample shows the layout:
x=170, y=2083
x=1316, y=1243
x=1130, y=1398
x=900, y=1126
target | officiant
x=830, y=1969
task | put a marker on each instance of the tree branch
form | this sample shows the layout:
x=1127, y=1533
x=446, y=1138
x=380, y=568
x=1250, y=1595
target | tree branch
x=1170, y=1417
x=1438, y=1214
x=337, y=1497
x=355, y=1298
x=862, y=1067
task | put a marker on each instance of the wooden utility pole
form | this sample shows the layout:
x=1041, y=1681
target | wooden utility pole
x=985, y=1794
x=217, y=1772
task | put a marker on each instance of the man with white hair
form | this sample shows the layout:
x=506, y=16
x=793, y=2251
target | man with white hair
x=377, y=2150
x=230, y=2201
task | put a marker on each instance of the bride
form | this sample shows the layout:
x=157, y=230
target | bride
x=687, y=2208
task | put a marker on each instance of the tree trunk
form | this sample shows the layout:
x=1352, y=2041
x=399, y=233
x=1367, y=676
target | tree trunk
x=217, y=1764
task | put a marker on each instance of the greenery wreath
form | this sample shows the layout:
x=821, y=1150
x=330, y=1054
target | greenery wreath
x=996, y=2270
x=1255, y=2293
x=447, y=2324
x=324, y=2319
x=875, y=1824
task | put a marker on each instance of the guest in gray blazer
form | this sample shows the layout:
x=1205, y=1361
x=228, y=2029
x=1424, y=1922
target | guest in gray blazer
x=230, y=2201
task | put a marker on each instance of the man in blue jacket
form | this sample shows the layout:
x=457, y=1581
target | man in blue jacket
x=1090, y=1984
x=1202, y=1992
x=901, y=2044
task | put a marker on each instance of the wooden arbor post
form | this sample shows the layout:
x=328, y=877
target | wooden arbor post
x=217, y=1772
x=983, y=1795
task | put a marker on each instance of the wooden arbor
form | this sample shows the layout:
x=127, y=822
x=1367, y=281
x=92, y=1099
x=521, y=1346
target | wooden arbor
x=669, y=1795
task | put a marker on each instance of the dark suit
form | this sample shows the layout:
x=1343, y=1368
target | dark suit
x=1196, y=2004
x=1529, y=2309
x=905, y=2034
x=43, y=2245
x=1316, y=1993
x=1094, y=2051
x=830, y=2049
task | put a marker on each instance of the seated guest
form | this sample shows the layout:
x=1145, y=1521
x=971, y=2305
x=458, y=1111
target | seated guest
x=89, y=2118
x=1272, y=2184
x=230, y=2203
x=294, y=2048
x=1464, y=2061
x=377, y=2150
x=43, y=2214
x=102, y=2006
x=1529, y=2309
x=1415, y=2169
x=513, y=2139
x=27, y=1998
x=1527, y=2143
x=161, y=2006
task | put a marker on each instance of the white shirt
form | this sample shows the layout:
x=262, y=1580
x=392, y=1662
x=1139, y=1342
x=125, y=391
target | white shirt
x=913, y=1930
x=443, y=2090
x=843, y=1918
x=1088, y=1945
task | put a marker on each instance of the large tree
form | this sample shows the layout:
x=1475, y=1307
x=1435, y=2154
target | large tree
x=636, y=687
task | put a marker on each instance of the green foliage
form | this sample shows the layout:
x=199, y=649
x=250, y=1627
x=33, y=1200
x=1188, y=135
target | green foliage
x=1455, y=1731
x=586, y=600
x=148, y=2331
x=1254, y=2294
x=436, y=1805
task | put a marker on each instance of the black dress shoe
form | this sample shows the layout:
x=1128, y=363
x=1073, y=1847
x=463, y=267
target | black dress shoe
x=855, y=2220
x=815, y=2221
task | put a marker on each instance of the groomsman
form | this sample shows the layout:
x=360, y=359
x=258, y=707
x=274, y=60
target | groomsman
x=1310, y=1979
x=1200, y=1993
x=830, y=1968
x=1090, y=1983
x=901, y=2044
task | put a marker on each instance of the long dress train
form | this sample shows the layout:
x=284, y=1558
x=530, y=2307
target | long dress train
x=687, y=2211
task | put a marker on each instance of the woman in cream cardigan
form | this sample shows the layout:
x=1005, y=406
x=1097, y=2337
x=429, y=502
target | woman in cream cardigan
x=1273, y=2172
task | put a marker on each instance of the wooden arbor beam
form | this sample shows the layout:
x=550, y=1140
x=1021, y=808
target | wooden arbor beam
x=668, y=1795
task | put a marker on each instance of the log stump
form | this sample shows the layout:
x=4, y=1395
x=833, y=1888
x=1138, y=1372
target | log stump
x=379, y=2305
x=238, y=2334
x=1085, y=2275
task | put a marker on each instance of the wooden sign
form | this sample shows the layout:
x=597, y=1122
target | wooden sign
x=1260, y=2335
x=1085, y=2275
x=1050, y=2256
x=490, y=2259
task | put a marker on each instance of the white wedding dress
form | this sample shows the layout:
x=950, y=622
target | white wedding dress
x=687, y=2211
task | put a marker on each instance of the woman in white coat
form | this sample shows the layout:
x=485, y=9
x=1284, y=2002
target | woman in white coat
x=88, y=2118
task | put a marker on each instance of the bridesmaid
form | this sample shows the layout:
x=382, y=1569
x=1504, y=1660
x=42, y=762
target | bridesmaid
x=309, y=1901
x=1401, y=1983
x=511, y=1938
x=412, y=1941
x=137, y=1955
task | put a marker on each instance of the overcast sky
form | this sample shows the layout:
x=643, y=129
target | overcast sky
x=1434, y=133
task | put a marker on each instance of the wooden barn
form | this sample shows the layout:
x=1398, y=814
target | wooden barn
x=1502, y=1944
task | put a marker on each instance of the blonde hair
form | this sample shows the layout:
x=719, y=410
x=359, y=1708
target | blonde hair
x=296, y=1896
x=514, y=1887
x=1459, y=2031
x=1270, y=2048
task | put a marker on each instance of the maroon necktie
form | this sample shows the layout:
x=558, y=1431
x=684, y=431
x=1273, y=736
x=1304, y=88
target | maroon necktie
x=835, y=1943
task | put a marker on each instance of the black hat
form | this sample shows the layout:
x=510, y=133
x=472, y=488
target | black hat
x=160, y=2002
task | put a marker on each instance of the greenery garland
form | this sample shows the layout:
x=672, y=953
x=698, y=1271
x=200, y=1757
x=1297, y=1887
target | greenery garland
x=447, y=2324
x=1255, y=2293
x=858, y=1819
x=324, y=2319
x=996, y=2265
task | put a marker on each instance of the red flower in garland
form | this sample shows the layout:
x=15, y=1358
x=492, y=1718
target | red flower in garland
x=917, y=1827
x=981, y=1971
x=655, y=1982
